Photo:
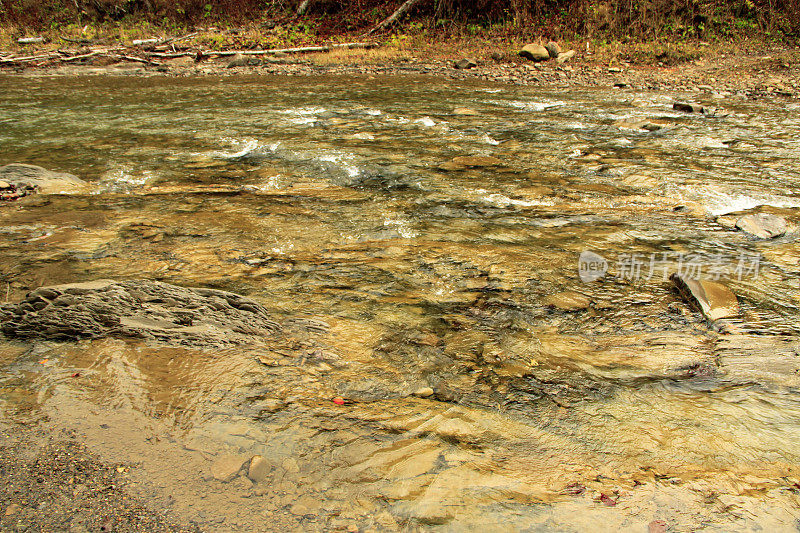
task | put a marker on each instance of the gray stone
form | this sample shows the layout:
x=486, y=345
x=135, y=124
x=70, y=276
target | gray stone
x=762, y=225
x=239, y=60
x=40, y=179
x=465, y=63
x=564, y=57
x=258, y=470
x=714, y=300
x=687, y=107
x=553, y=49
x=139, y=309
x=535, y=52
x=227, y=467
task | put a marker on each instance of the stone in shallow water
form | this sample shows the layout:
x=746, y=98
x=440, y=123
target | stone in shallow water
x=42, y=180
x=477, y=161
x=465, y=111
x=139, y=309
x=762, y=225
x=714, y=300
x=227, y=467
x=259, y=469
x=568, y=301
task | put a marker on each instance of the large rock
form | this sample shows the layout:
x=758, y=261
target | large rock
x=714, y=300
x=762, y=225
x=139, y=309
x=553, y=49
x=535, y=52
x=241, y=60
x=38, y=179
x=465, y=63
x=563, y=57
x=688, y=107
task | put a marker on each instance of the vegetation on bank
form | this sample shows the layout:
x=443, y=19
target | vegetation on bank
x=612, y=20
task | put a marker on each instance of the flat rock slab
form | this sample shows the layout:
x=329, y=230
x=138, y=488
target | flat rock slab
x=762, y=225
x=40, y=179
x=714, y=300
x=227, y=467
x=138, y=309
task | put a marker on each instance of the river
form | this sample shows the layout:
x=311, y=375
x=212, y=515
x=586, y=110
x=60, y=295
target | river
x=431, y=232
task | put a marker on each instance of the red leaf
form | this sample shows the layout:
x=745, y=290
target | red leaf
x=575, y=489
x=607, y=500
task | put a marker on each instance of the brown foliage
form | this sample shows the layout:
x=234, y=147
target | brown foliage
x=613, y=18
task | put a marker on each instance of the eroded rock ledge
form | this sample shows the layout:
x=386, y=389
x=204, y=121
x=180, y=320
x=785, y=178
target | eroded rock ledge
x=138, y=309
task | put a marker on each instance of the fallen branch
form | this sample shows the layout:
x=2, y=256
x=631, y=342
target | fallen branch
x=170, y=55
x=325, y=48
x=394, y=17
x=76, y=41
x=134, y=58
x=175, y=40
x=28, y=59
x=303, y=6
x=83, y=56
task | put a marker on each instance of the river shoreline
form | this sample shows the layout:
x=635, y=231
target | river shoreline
x=755, y=74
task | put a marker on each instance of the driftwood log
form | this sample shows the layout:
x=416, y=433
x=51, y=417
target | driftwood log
x=137, y=54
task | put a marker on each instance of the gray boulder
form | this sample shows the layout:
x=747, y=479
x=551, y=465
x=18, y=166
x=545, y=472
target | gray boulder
x=685, y=107
x=137, y=309
x=240, y=60
x=465, y=63
x=563, y=57
x=37, y=179
x=762, y=225
x=553, y=49
x=535, y=52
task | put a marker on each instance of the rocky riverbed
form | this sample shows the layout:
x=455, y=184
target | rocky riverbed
x=401, y=303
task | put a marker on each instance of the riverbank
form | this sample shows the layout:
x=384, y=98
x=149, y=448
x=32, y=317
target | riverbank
x=753, y=69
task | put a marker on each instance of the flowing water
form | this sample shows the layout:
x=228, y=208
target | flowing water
x=346, y=201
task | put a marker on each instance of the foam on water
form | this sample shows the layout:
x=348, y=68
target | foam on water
x=529, y=106
x=720, y=202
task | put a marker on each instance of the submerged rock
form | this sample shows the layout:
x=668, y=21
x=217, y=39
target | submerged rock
x=688, y=108
x=227, y=467
x=535, y=52
x=465, y=111
x=714, y=300
x=568, y=301
x=762, y=225
x=37, y=179
x=477, y=161
x=137, y=309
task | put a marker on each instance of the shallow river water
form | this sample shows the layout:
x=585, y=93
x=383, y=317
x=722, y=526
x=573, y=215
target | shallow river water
x=428, y=233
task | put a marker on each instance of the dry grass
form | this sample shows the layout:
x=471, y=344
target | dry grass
x=361, y=57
